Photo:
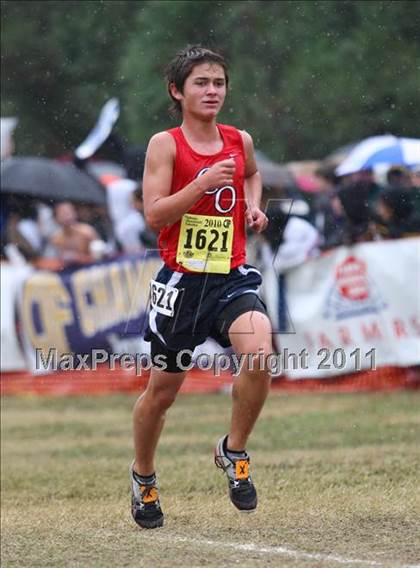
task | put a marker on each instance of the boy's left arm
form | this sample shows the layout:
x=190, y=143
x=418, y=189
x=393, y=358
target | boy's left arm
x=255, y=218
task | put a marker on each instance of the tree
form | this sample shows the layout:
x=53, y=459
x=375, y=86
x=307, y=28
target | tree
x=59, y=66
x=306, y=76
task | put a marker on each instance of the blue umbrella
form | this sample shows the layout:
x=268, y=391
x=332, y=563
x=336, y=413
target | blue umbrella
x=376, y=150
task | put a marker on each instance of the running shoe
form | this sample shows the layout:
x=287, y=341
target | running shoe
x=145, y=506
x=242, y=492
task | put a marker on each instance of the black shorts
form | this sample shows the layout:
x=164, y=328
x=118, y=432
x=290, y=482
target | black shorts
x=206, y=305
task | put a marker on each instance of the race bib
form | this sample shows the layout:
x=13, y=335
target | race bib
x=163, y=298
x=205, y=243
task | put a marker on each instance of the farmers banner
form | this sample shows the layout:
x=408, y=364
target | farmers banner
x=354, y=308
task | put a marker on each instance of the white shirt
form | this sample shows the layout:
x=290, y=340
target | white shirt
x=119, y=198
x=29, y=229
x=300, y=242
x=128, y=230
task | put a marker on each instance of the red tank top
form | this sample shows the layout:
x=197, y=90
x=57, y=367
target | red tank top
x=228, y=201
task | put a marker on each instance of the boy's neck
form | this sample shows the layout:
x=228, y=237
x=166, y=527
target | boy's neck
x=199, y=130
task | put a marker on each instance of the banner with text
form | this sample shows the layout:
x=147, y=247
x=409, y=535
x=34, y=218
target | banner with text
x=353, y=308
x=101, y=306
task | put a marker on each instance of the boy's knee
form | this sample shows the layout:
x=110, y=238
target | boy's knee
x=255, y=360
x=162, y=397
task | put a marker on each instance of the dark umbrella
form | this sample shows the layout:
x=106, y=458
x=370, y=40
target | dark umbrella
x=50, y=180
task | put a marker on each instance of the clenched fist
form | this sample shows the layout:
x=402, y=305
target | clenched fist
x=219, y=175
x=256, y=219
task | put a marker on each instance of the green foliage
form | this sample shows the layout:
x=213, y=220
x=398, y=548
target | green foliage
x=59, y=66
x=306, y=76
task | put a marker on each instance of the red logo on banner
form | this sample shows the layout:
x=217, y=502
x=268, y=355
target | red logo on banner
x=351, y=277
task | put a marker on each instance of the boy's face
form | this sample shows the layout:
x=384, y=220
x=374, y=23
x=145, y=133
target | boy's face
x=204, y=91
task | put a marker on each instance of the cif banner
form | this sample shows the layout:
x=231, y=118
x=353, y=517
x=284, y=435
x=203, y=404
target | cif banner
x=353, y=308
x=100, y=306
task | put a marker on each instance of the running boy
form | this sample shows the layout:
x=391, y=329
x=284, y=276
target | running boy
x=201, y=187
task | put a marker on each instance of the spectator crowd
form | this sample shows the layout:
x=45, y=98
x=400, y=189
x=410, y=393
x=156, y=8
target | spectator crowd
x=350, y=209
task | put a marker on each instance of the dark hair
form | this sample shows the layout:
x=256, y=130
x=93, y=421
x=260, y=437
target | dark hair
x=138, y=194
x=134, y=158
x=355, y=199
x=183, y=63
x=397, y=176
x=398, y=200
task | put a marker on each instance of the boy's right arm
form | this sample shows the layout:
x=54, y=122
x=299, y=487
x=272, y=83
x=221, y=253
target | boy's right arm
x=160, y=207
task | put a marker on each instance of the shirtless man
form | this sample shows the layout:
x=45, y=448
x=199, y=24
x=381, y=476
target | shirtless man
x=201, y=187
x=72, y=241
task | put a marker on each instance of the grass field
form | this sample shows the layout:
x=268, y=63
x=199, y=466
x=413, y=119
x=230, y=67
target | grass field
x=337, y=476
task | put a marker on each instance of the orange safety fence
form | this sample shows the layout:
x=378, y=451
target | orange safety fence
x=106, y=381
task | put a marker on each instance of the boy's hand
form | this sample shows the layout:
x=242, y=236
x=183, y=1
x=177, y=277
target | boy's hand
x=220, y=174
x=256, y=219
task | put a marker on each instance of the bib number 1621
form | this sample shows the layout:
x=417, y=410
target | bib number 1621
x=200, y=242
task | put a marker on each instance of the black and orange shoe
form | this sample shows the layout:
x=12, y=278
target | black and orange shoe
x=145, y=506
x=241, y=489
